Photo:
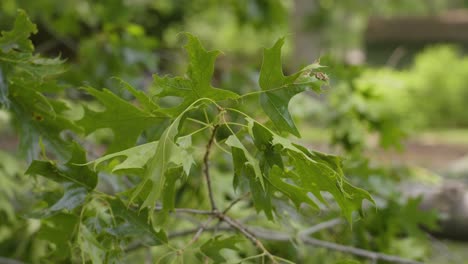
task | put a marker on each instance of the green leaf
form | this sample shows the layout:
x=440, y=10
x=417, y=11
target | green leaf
x=251, y=161
x=136, y=157
x=168, y=193
x=69, y=172
x=126, y=121
x=73, y=197
x=307, y=172
x=18, y=37
x=90, y=246
x=170, y=153
x=296, y=194
x=133, y=223
x=245, y=175
x=213, y=247
x=145, y=102
x=23, y=78
x=59, y=230
x=77, y=181
x=40, y=118
x=197, y=85
x=320, y=175
x=279, y=89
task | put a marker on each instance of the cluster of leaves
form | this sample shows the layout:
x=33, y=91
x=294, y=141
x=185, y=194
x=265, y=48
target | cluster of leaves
x=367, y=102
x=133, y=39
x=154, y=160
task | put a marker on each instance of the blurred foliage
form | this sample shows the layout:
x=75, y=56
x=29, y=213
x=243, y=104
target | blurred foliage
x=342, y=23
x=440, y=76
x=132, y=39
x=427, y=94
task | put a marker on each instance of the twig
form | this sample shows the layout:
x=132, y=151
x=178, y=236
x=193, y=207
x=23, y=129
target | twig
x=357, y=251
x=324, y=225
x=206, y=168
x=235, y=202
x=187, y=210
x=200, y=230
x=277, y=236
x=248, y=234
x=254, y=234
x=195, y=230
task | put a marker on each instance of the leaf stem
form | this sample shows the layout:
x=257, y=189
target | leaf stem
x=221, y=147
x=206, y=168
x=197, y=121
x=235, y=202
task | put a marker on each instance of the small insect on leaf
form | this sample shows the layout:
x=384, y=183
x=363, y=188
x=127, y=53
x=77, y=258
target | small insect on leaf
x=321, y=76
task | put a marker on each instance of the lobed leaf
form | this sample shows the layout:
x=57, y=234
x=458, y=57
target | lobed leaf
x=77, y=180
x=18, y=37
x=279, y=89
x=212, y=247
x=293, y=171
x=126, y=120
x=197, y=84
x=133, y=223
x=136, y=157
x=171, y=152
x=59, y=230
x=69, y=172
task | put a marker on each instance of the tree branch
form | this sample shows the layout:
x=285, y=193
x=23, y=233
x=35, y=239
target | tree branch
x=244, y=231
x=187, y=210
x=357, y=251
x=206, y=168
x=235, y=202
x=277, y=236
x=324, y=225
x=254, y=234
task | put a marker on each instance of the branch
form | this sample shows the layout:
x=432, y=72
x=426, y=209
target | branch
x=277, y=236
x=195, y=230
x=206, y=168
x=248, y=234
x=253, y=234
x=200, y=231
x=324, y=225
x=357, y=251
x=187, y=210
x=235, y=202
